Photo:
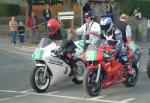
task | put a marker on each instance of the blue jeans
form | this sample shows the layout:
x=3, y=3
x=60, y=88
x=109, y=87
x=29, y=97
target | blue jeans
x=13, y=36
x=21, y=38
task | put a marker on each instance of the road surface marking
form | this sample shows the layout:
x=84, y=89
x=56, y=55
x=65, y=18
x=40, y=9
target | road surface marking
x=127, y=100
x=19, y=96
x=25, y=91
x=50, y=93
x=95, y=99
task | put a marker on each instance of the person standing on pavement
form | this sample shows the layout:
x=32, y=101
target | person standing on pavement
x=13, y=30
x=33, y=25
x=125, y=28
x=21, y=31
x=47, y=14
x=89, y=30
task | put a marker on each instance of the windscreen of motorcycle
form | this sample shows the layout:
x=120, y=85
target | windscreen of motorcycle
x=44, y=42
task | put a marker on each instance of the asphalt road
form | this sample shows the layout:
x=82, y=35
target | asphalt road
x=16, y=66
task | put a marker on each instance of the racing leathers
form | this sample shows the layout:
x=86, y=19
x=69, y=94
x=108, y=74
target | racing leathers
x=114, y=37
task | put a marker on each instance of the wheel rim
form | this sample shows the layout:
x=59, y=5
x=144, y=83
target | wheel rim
x=41, y=82
x=92, y=85
x=80, y=70
x=132, y=78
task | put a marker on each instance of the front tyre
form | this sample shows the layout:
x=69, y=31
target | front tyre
x=38, y=82
x=148, y=68
x=79, y=67
x=90, y=85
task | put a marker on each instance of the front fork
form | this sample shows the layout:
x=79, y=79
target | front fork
x=45, y=71
x=98, y=73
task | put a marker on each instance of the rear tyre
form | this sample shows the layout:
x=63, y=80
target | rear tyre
x=90, y=85
x=148, y=68
x=38, y=83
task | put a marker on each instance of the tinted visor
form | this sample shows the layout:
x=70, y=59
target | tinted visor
x=105, y=27
x=51, y=29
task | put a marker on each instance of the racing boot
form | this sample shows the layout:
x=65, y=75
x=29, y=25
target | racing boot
x=128, y=69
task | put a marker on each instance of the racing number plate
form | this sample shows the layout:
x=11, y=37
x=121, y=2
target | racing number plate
x=91, y=55
x=37, y=55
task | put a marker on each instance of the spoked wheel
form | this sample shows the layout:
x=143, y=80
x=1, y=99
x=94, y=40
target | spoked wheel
x=38, y=82
x=79, y=69
x=131, y=79
x=90, y=85
x=148, y=68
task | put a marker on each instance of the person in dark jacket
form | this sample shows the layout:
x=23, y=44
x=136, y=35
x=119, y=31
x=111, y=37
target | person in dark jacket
x=21, y=31
x=46, y=14
x=33, y=25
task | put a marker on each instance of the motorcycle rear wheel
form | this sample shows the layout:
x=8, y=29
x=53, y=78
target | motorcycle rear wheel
x=148, y=68
x=38, y=83
x=80, y=67
x=89, y=82
x=131, y=79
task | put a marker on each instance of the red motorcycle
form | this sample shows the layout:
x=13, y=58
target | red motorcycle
x=104, y=69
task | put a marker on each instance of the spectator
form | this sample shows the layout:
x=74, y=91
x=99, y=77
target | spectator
x=21, y=30
x=13, y=30
x=95, y=11
x=110, y=10
x=104, y=9
x=86, y=8
x=33, y=25
x=137, y=13
x=148, y=29
x=47, y=14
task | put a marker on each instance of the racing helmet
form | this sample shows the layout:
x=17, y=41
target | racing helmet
x=52, y=26
x=118, y=34
x=105, y=23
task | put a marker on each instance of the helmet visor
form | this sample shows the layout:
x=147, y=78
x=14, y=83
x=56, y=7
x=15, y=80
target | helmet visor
x=51, y=29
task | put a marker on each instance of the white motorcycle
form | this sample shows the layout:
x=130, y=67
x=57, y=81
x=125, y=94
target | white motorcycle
x=52, y=68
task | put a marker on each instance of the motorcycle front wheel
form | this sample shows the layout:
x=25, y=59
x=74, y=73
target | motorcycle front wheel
x=80, y=68
x=148, y=68
x=90, y=85
x=38, y=82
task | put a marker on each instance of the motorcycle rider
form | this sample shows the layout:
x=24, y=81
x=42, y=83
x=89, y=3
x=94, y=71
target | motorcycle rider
x=57, y=33
x=90, y=30
x=114, y=37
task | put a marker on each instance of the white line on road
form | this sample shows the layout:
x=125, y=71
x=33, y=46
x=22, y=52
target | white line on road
x=60, y=96
x=25, y=91
x=127, y=100
x=95, y=98
x=52, y=92
x=19, y=96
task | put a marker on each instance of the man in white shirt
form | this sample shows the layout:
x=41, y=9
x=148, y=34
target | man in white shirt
x=89, y=30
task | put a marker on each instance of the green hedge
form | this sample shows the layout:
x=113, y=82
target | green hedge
x=129, y=5
x=9, y=9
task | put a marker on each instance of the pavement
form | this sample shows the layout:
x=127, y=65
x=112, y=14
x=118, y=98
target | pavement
x=25, y=47
x=5, y=39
